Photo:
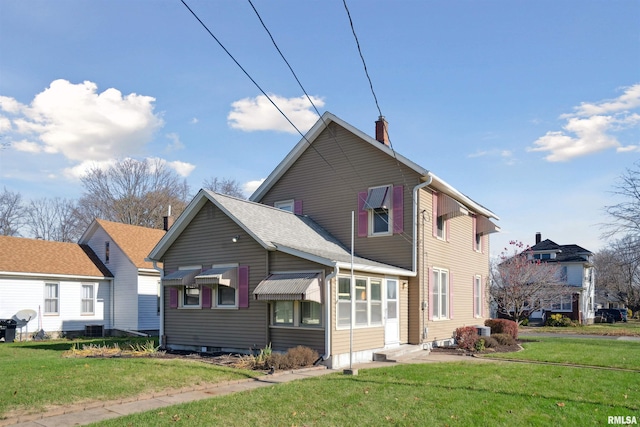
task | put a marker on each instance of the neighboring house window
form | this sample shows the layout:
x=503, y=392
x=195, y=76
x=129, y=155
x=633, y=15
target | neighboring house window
x=564, y=304
x=87, y=299
x=440, y=294
x=191, y=296
x=368, y=301
x=477, y=296
x=51, y=298
x=545, y=256
x=106, y=252
x=380, y=211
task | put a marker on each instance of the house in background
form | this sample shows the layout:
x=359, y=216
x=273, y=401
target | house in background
x=277, y=270
x=576, y=264
x=65, y=283
x=136, y=283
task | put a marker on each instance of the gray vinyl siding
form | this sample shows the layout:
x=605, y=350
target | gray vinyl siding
x=207, y=241
x=329, y=176
x=283, y=339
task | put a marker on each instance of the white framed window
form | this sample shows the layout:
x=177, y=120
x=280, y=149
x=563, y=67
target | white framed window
x=296, y=313
x=440, y=294
x=564, y=303
x=285, y=205
x=51, y=298
x=310, y=313
x=283, y=313
x=190, y=296
x=378, y=204
x=441, y=227
x=477, y=242
x=88, y=300
x=477, y=296
x=226, y=296
x=368, y=302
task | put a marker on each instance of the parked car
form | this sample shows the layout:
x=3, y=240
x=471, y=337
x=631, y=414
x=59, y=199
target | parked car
x=623, y=312
x=608, y=315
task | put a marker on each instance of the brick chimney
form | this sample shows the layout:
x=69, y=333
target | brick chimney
x=538, y=237
x=382, y=131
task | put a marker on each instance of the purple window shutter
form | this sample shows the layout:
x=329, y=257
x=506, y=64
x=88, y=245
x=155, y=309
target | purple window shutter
x=173, y=297
x=434, y=213
x=243, y=286
x=398, y=209
x=450, y=295
x=297, y=207
x=206, y=297
x=430, y=296
x=363, y=215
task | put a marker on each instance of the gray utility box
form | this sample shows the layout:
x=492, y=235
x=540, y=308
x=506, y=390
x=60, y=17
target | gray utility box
x=484, y=331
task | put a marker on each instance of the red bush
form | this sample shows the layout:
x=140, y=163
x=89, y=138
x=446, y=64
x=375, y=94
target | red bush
x=503, y=326
x=466, y=337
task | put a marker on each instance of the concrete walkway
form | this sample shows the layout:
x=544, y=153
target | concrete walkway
x=98, y=411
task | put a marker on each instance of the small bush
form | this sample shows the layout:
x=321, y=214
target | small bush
x=490, y=342
x=504, y=339
x=525, y=322
x=558, y=320
x=503, y=326
x=479, y=345
x=467, y=337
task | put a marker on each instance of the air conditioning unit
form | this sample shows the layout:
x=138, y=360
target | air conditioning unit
x=484, y=331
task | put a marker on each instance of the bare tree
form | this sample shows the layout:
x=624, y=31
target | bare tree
x=626, y=214
x=227, y=186
x=521, y=285
x=12, y=212
x=618, y=270
x=132, y=192
x=53, y=219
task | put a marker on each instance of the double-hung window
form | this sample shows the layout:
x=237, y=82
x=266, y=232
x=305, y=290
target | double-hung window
x=378, y=204
x=477, y=296
x=191, y=296
x=368, y=301
x=440, y=294
x=51, y=298
x=87, y=303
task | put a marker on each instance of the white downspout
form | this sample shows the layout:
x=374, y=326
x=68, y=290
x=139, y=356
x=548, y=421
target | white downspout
x=414, y=267
x=161, y=331
x=328, y=304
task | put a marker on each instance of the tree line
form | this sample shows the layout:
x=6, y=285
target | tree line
x=130, y=191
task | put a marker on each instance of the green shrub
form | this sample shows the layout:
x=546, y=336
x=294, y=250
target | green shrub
x=503, y=326
x=503, y=339
x=525, y=322
x=558, y=320
x=466, y=337
x=479, y=346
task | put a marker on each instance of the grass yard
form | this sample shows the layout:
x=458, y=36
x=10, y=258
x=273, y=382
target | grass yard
x=36, y=376
x=579, y=351
x=630, y=329
x=446, y=394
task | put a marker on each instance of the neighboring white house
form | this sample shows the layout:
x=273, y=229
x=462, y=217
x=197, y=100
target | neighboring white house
x=576, y=266
x=65, y=283
x=136, y=284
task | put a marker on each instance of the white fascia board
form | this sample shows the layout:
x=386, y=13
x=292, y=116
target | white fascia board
x=441, y=185
x=86, y=236
x=51, y=276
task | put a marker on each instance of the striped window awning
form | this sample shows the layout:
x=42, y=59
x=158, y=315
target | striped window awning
x=484, y=226
x=449, y=207
x=290, y=286
x=378, y=197
x=180, y=278
x=225, y=276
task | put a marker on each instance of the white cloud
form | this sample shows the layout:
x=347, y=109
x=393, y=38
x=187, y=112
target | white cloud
x=82, y=124
x=257, y=114
x=194, y=121
x=628, y=148
x=251, y=186
x=5, y=124
x=591, y=128
x=181, y=168
x=175, y=143
x=27, y=146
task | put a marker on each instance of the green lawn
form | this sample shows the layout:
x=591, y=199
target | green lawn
x=580, y=351
x=35, y=375
x=630, y=329
x=446, y=394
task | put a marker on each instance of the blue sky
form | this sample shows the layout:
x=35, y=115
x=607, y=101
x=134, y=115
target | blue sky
x=530, y=108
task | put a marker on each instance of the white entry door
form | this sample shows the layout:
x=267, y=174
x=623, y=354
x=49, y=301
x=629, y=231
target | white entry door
x=391, y=313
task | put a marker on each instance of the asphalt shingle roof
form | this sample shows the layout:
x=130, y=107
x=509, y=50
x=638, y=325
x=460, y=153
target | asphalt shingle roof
x=135, y=241
x=22, y=255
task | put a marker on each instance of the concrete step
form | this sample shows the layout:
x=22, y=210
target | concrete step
x=397, y=353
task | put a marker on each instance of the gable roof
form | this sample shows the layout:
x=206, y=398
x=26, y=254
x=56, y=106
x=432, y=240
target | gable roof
x=437, y=183
x=44, y=257
x=276, y=230
x=134, y=241
x=564, y=253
